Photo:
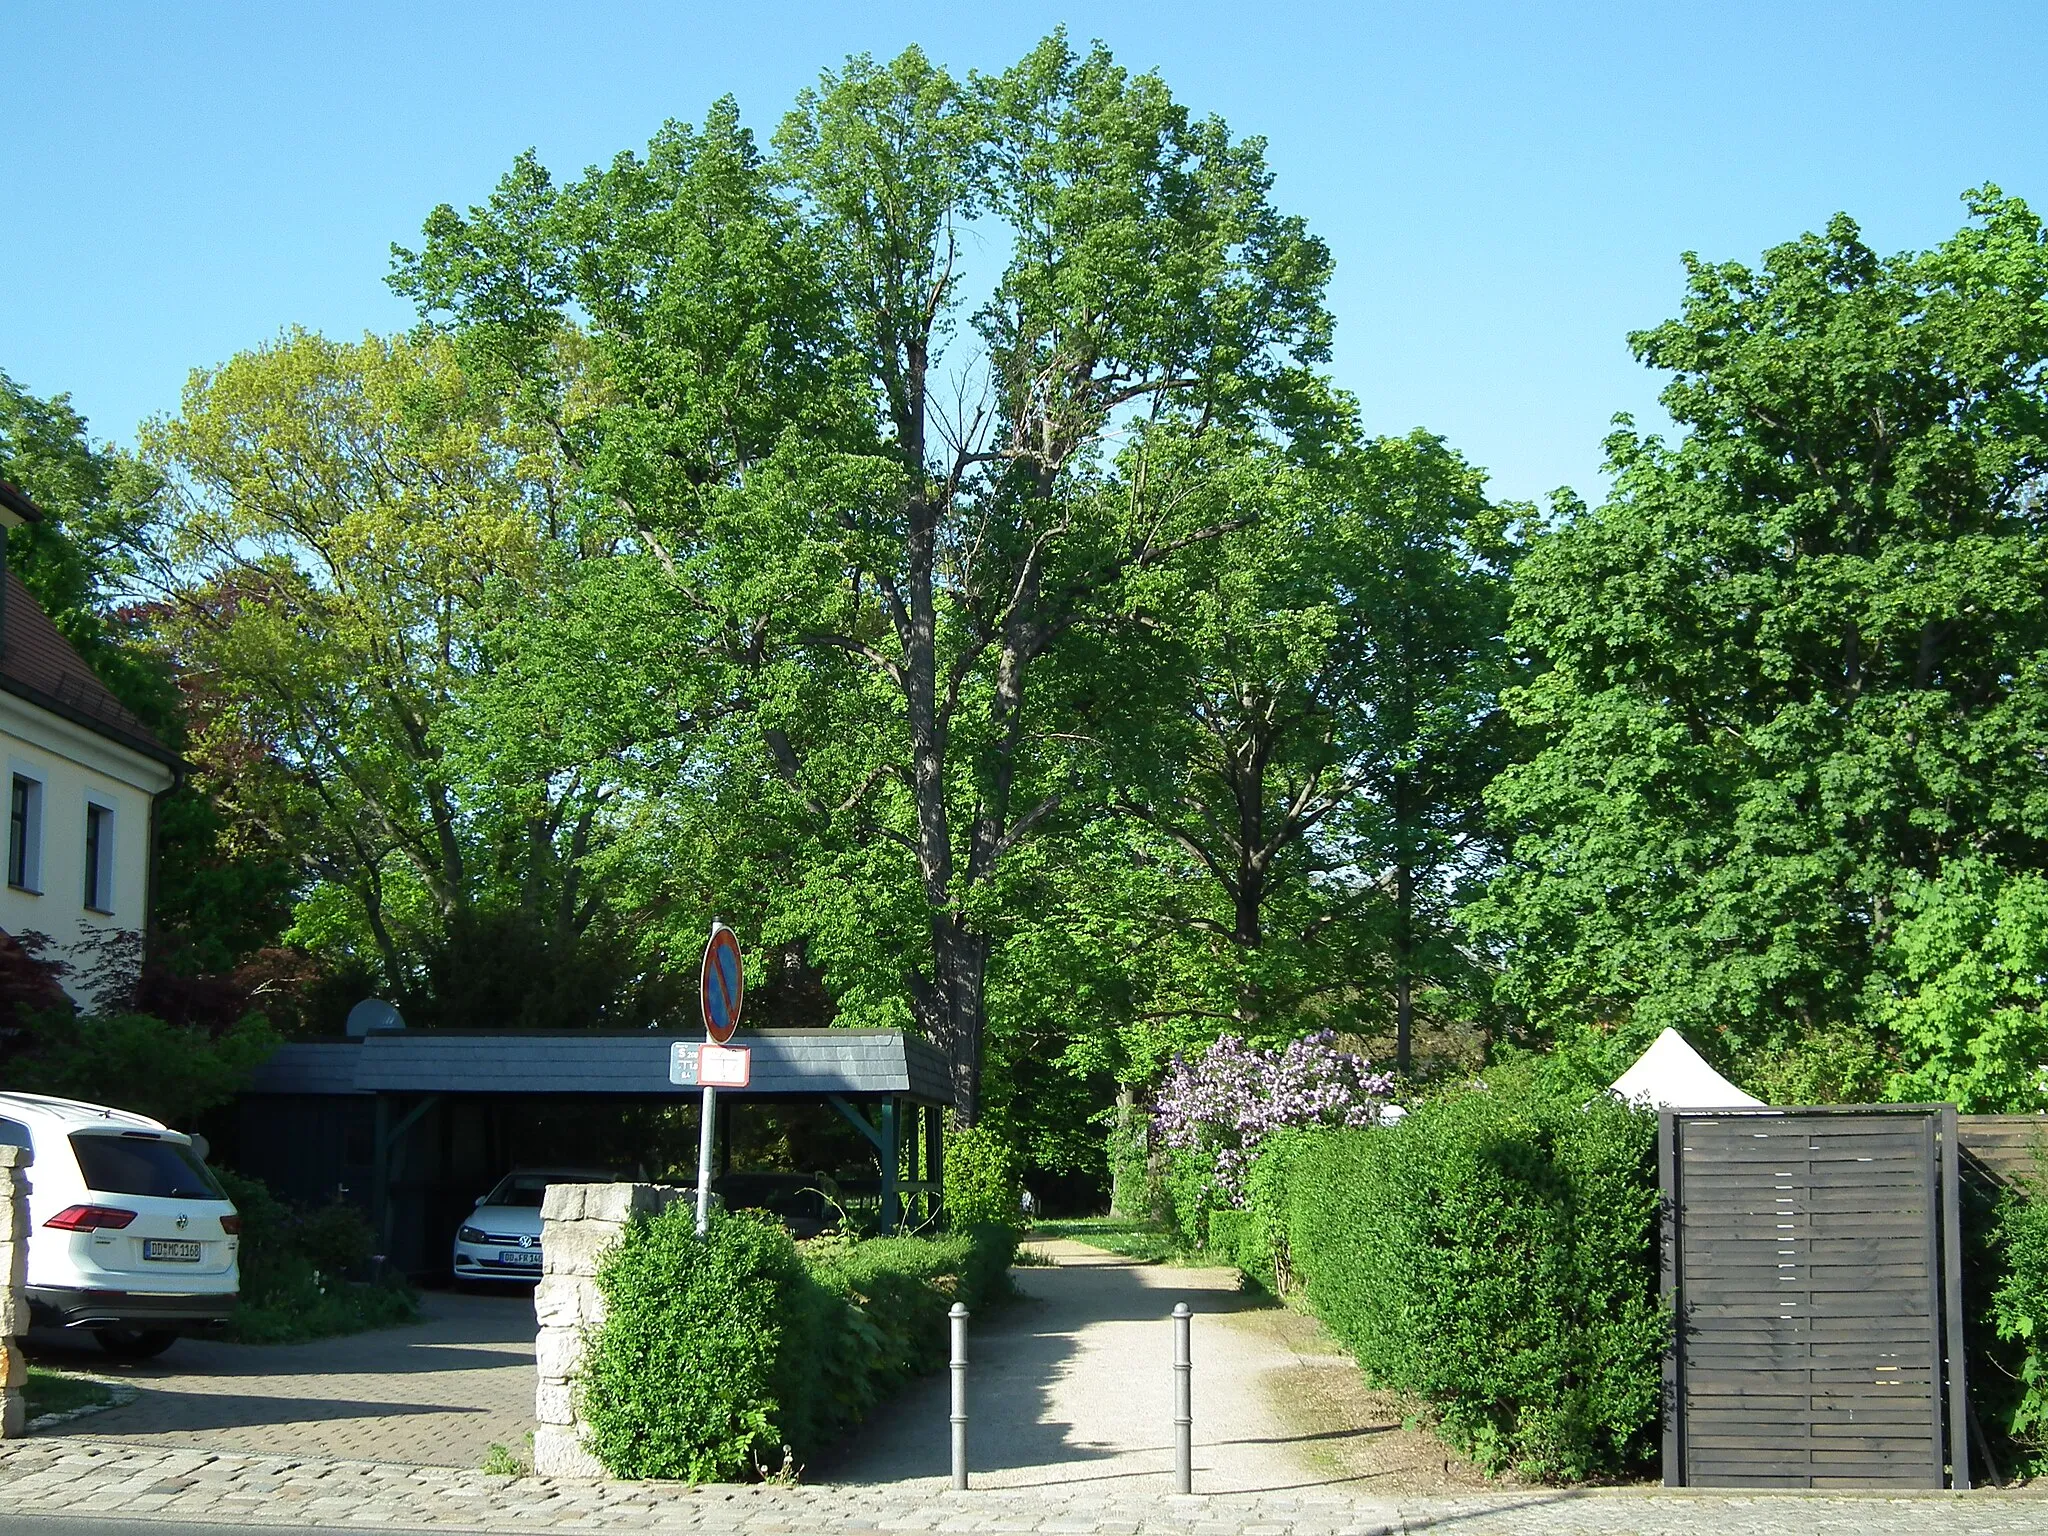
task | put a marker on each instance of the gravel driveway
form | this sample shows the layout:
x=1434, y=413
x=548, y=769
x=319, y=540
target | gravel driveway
x=1074, y=1384
x=437, y=1393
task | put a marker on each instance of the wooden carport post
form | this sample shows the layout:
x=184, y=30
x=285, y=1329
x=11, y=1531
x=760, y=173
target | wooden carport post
x=389, y=1137
x=886, y=1141
x=892, y=1167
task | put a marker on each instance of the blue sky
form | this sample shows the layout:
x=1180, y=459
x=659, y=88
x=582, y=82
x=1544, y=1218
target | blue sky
x=1506, y=187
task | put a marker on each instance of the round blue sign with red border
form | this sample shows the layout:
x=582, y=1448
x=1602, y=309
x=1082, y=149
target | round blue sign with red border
x=723, y=984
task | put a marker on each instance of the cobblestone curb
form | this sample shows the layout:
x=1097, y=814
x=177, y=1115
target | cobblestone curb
x=85, y=1477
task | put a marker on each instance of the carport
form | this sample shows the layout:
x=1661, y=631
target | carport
x=401, y=1122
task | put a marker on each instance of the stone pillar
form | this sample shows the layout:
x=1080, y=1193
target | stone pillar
x=14, y=1230
x=578, y=1223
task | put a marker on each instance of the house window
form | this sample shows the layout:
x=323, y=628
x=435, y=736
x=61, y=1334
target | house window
x=25, y=834
x=99, y=857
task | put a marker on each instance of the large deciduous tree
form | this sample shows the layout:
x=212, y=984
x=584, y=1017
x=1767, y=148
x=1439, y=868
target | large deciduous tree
x=343, y=529
x=885, y=497
x=1323, y=720
x=1793, y=676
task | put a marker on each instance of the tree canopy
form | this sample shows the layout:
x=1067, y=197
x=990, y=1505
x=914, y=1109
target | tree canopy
x=926, y=537
x=1789, y=711
x=883, y=580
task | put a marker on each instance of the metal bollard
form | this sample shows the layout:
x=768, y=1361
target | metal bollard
x=1183, y=1401
x=959, y=1316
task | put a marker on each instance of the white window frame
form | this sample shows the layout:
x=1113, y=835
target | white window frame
x=100, y=881
x=32, y=842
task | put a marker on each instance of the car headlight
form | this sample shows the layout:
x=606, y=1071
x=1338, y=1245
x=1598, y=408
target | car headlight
x=471, y=1235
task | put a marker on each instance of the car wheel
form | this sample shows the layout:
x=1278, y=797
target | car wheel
x=135, y=1343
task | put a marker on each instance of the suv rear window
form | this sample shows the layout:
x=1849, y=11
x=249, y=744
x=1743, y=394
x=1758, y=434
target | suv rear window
x=142, y=1165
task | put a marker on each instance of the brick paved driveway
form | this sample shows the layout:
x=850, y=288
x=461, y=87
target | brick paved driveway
x=437, y=1393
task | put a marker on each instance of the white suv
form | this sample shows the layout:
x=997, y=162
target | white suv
x=130, y=1235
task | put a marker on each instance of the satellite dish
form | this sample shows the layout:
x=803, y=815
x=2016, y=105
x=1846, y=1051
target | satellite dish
x=373, y=1016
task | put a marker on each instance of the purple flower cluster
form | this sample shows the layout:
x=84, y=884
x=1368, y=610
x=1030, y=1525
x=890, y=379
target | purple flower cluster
x=1235, y=1096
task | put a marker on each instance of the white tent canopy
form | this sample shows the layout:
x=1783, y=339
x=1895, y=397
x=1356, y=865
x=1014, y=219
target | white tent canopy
x=1672, y=1075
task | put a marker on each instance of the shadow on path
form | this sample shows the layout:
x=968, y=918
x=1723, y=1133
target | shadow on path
x=1073, y=1383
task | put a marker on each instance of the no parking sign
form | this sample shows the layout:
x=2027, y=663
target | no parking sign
x=723, y=986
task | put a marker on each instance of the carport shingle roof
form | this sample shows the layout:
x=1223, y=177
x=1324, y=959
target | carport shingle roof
x=808, y=1062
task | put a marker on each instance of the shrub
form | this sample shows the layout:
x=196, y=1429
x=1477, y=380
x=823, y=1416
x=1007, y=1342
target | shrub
x=681, y=1381
x=299, y=1271
x=1215, y=1113
x=170, y=1072
x=984, y=1178
x=718, y=1352
x=1230, y=1100
x=1255, y=1237
x=1131, y=1189
x=1494, y=1255
x=2019, y=1313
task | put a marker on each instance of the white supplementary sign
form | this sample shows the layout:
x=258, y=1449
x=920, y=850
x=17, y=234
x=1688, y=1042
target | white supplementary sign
x=724, y=1066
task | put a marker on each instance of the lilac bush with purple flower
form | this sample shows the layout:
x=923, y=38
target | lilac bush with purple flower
x=1225, y=1103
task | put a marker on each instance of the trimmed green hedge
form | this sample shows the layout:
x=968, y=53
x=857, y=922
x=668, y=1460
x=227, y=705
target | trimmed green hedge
x=1493, y=1255
x=717, y=1353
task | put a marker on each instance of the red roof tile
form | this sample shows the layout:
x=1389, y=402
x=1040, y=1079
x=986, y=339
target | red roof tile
x=38, y=664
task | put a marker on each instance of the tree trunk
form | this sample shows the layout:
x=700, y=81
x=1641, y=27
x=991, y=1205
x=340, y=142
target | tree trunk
x=953, y=1008
x=1404, y=964
x=1249, y=934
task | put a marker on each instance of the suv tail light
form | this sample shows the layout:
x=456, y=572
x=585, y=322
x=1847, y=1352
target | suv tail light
x=90, y=1218
x=231, y=1224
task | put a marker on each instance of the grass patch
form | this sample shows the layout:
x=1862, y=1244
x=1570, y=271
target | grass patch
x=59, y=1392
x=1149, y=1242
x=502, y=1461
x=319, y=1308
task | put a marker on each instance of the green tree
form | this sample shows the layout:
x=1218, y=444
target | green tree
x=1324, y=723
x=879, y=577
x=95, y=502
x=342, y=529
x=1792, y=669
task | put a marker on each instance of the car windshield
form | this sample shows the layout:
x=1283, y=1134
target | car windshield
x=526, y=1189
x=143, y=1165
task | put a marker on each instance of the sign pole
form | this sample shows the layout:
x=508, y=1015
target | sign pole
x=722, y=986
x=704, y=1133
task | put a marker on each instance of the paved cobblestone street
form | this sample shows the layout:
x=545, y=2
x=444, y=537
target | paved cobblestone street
x=81, y=1477
x=439, y=1392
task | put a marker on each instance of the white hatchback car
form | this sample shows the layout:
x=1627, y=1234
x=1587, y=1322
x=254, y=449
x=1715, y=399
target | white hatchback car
x=130, y=1236
x=500, y=1240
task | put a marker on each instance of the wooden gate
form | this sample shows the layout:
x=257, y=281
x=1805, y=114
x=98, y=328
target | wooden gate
x=1813, y=1259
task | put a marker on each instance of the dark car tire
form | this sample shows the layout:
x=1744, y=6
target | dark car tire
x=135, y=1343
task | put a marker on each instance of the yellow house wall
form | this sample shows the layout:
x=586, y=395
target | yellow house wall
x=76, y=766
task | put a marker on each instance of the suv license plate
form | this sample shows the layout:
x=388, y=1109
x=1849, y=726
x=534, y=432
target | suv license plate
x=520, y=1258
x=170, y=1249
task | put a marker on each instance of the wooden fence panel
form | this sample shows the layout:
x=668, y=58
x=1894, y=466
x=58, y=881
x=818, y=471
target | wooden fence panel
x=2001, y=1148
x=1805, y=1252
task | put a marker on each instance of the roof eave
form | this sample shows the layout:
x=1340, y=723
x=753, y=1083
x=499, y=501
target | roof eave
x=147, y=746
x=15, y=500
